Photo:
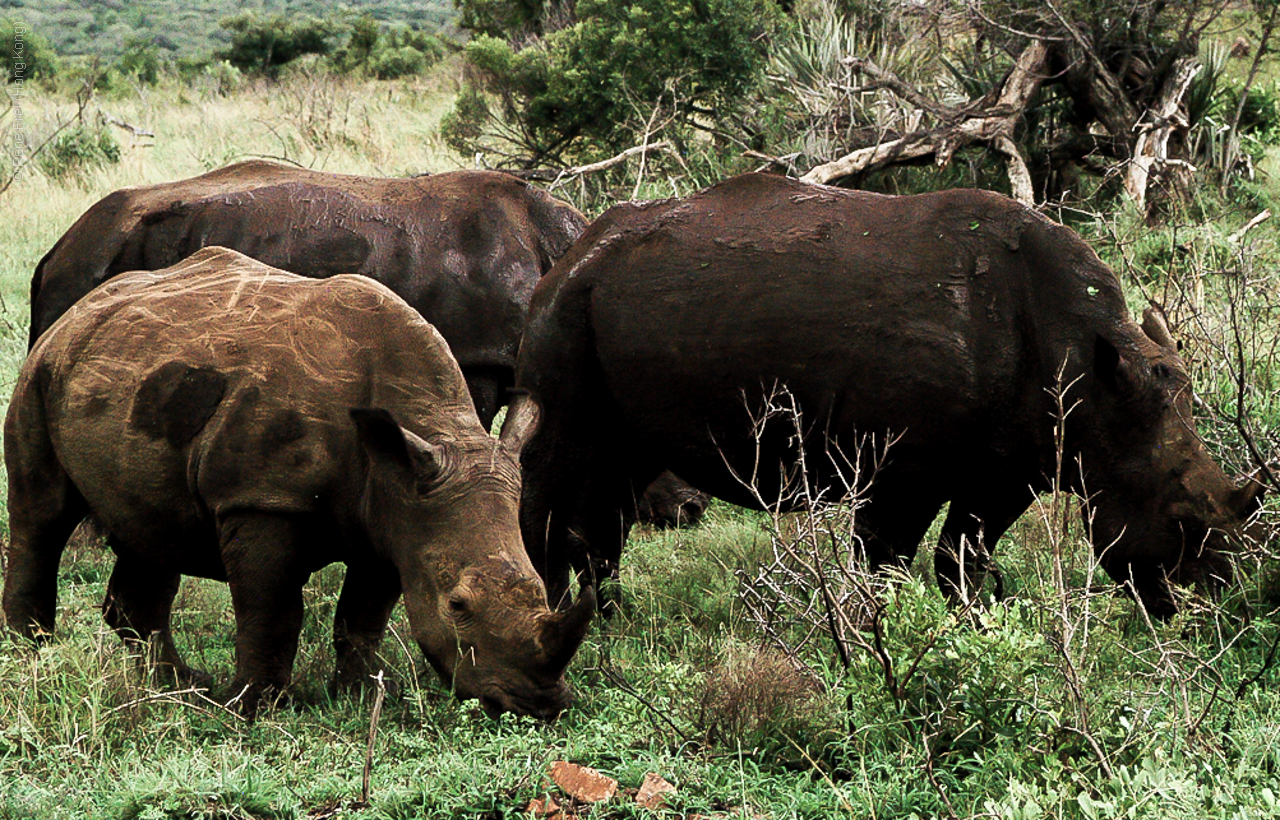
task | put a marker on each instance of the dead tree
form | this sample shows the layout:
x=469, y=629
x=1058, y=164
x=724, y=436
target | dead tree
x=990, y=120
x=1122, y=77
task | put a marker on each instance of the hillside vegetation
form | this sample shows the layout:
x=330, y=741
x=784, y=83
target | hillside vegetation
x=1063, y=701
x=190, y=30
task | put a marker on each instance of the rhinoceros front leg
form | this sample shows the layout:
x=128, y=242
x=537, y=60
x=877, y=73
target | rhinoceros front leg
x=260, y=552
x=369, y=593
x=138, y=605
x=973, y=526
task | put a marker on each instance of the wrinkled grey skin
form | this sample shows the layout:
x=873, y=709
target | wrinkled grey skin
x=227, y=420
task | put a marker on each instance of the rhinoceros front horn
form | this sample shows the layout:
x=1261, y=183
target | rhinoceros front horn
x=563, y=631
x=1157, y=329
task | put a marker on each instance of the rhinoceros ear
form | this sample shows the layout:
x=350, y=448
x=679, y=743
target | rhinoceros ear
x=1113, y=369
x=392, y=447
x=523, y=417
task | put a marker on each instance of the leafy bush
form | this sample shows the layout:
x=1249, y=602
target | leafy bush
x=397, y=51
x=620, y=71
x=262, y=44
x=141, y=60
x=27, y=55
x=78, y=149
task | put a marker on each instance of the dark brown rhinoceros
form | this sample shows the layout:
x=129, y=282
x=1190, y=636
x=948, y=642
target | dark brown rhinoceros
x=464, y=248
x=227, y=420
x=947, y=320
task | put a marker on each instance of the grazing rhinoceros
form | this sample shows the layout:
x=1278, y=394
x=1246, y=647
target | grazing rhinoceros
x=227, y=420
x=464, y=248
x=946, y=320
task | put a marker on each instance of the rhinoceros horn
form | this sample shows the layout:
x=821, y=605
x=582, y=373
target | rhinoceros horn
x=523, y=417
x=563, y=631
x=1157, y=329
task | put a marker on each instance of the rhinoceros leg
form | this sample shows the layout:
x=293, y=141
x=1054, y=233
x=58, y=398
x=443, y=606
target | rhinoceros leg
x=896, y=519
x=138, y=605
x=604, y=522
x=258, y=552
x=973, y=527
x=44, y=509
x=369, y=593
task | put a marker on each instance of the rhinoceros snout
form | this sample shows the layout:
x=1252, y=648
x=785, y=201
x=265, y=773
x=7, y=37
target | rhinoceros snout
x=546, y=704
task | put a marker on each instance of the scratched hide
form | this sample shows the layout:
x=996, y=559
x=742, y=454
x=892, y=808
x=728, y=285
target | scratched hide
x=228, y=420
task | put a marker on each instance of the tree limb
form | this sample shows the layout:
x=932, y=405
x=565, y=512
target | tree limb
x=1152, y=145
x=993, y=123
x=549, y=175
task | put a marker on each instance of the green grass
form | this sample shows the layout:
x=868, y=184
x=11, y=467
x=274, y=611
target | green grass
x=1063, y=702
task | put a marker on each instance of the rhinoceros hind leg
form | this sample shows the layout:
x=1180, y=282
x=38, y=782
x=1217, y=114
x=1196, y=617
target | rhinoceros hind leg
x=266, y=593
x=45, y=508
x=369, y=593
x=138, y=605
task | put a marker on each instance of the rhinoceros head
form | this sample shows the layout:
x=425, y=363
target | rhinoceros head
x=1165, y=510
x=446, y=513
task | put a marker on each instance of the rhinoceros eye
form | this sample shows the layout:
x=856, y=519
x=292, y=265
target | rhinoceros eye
x=1161, y=371
x=458, y=604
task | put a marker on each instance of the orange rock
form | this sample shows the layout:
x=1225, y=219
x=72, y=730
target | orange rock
x=652, y=790
x=547, y=808
x=583, y=782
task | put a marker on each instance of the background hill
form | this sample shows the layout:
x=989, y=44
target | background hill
x=182, y=29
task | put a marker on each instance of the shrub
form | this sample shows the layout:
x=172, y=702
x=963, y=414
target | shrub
x=398, y=51
x=79, y=149
x=27, y=55
x=618, y=71
x=263, y=44
x=141, y=60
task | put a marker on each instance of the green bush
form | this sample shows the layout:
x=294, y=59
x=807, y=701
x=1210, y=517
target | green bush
x=262, y=44
x=596, y=85
x=27, y=55
x=78, y=149
x=141, y=61
x=397, y=51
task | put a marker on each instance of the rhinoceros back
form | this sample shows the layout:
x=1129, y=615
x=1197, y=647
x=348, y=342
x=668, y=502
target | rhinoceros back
x=221, y=383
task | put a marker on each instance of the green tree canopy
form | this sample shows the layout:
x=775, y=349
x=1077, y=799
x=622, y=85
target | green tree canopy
x=27, y=55
x=263, y=43
x=621, y=69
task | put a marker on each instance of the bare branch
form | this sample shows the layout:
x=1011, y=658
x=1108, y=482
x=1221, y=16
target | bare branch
x=558, y=177
x=995, y=122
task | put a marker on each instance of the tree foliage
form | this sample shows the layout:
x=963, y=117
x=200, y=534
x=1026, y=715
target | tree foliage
x=619, y=71
x=387, y=52
x=27, y=55
x=264, y=43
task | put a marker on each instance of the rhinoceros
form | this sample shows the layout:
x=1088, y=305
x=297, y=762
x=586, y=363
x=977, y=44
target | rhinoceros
x=227, y=420
x=464, y=248
x=945, y=322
